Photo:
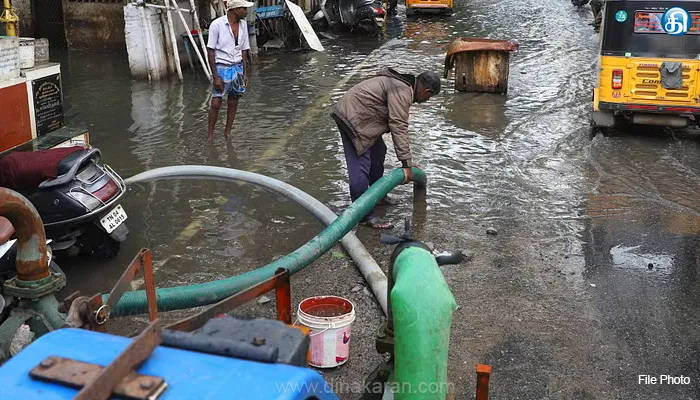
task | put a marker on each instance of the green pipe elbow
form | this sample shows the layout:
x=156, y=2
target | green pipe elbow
x=422, y=306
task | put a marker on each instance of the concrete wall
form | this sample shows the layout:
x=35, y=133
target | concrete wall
x=94, y=26
x=26, y=20
x=145, y=45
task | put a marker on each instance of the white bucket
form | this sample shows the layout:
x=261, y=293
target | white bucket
x=26, y=52
x=329, y=318
x=9, y=57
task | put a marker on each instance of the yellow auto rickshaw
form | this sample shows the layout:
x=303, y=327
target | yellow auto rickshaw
x=649, y=58
x=443, y=7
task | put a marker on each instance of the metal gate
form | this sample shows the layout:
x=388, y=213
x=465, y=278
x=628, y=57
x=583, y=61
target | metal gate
x=48, y=15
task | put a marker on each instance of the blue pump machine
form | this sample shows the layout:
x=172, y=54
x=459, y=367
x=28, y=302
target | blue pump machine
x=188, y=374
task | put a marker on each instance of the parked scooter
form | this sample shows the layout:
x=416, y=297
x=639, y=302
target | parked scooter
x=363, y=15
x=76, y=196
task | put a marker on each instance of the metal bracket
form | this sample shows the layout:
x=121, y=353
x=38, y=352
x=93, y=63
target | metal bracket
x=9, y=15
x=384, y=342
x=118, y=378
x=142, y=262
x=67, y=302
x=97, y=313
x=94, y=314
x=78, y=374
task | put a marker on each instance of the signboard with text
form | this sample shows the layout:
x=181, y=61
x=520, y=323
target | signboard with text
x=667, y=22
x=47, y=96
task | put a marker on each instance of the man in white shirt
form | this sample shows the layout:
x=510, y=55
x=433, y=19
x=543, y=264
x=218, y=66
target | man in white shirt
x=228, y=49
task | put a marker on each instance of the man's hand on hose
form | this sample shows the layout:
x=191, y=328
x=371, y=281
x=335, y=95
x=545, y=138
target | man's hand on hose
x=407, y=172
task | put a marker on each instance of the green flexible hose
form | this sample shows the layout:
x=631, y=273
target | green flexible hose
x=181, y=297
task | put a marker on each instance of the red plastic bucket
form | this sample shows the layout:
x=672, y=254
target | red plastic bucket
x=330, y=319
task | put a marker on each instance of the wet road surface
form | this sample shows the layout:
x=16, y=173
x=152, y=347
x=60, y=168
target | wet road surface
x=592, y=278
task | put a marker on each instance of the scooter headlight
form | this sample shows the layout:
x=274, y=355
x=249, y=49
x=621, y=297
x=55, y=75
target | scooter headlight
x=89, y=201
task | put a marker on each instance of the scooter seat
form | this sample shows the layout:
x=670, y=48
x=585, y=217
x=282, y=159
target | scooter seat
x=6, y=230
x=26, y=170
x=68, y=161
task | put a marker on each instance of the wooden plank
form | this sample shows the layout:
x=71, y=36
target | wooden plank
x=494, y=72
x=462, y=71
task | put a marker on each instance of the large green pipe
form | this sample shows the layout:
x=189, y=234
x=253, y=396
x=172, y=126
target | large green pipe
x=181, y=297
x=422, y=306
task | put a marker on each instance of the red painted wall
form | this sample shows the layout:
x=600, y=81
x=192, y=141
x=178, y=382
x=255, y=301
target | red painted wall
x=16, y=127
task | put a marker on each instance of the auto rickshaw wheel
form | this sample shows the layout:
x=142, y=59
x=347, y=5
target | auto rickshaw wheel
x=594, y=130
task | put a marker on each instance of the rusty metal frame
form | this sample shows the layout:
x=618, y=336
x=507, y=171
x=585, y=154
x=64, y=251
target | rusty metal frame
x=97, y=313
x=283, y=297
x=93, y=313
x=119, y=377
x=142, y=262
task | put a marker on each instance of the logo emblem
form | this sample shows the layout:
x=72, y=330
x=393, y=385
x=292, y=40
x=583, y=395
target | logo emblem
x=676, y=21
x=621, y=16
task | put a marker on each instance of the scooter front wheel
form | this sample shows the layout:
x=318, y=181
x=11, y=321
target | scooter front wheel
x=109, y=249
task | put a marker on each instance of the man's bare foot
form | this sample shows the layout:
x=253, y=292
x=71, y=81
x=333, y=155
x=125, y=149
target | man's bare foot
x=227, y=134
x=210, y=138
x=376, y=223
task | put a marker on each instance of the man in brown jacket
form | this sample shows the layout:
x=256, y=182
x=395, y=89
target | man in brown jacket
x=367, y=111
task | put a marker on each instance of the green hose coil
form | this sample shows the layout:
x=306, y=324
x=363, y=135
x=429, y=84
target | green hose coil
x=181, y=297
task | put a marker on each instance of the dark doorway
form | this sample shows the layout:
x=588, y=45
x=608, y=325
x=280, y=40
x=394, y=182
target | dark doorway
x=49, y=22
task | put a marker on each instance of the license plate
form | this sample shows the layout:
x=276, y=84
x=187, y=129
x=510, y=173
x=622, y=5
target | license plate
x=112, y=220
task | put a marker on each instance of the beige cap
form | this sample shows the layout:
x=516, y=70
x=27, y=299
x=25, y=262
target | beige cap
x=238, y=4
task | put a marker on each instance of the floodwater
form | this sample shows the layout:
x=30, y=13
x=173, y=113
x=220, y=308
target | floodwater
x=592, y=279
